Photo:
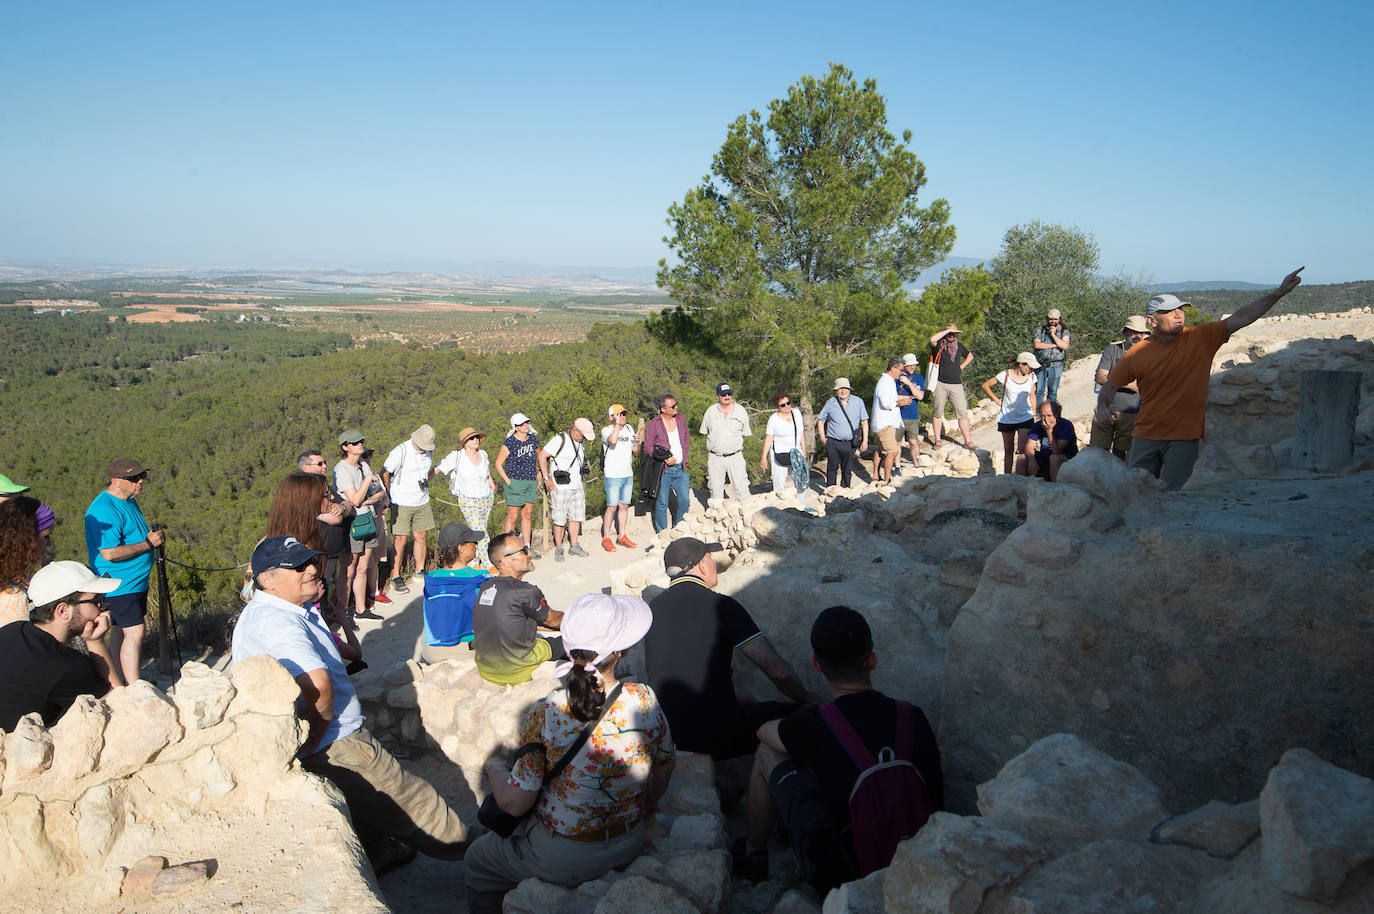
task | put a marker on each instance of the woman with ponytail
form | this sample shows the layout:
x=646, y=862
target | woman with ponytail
x=589, y=818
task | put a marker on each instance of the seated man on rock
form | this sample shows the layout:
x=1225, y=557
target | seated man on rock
x=394, y=812
x=688, y=652
x=814, y=769
x=507, y=615
x=1052, y=441
x=450, y=593
x=39, y=671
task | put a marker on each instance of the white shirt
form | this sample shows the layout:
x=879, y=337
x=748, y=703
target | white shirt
x=619, y=456
x=1017, y=397
x=409, y=469
x=886, y=413
x=465, y=478
x=565, y=454
x=786, y=431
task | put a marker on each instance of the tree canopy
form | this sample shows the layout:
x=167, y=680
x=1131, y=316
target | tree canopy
x=793, y=252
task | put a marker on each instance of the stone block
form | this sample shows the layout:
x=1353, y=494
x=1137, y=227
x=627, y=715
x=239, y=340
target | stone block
x=862, y=896
x=1048, y=549
x=28, y=750
x=1061, y=784
x=635, y=894
x=1108, y=877
x=142, y=723
x=79, y=737
x=202, y=695
x=1318, y=825
x=954, y=861
x=24, y=843
x=801, y=900
x=1218, y=829
x=262, y=684
x=532, y=896
x=402, y=672
x=99, y=819
x=775, y=527
x=700, y=830
x=703, y=876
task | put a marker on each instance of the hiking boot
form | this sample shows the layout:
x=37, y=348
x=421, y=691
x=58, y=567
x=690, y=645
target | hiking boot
x=606, y=544
x=577, y=550
x=558, y=553
x=381, y=598
x=625, y=541
x=398, y=585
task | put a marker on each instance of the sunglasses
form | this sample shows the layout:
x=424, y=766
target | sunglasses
x=98, y=600
x=139, y=478
x=524, y=548
x=672, y=406
x=784, y=403
x=623, y=412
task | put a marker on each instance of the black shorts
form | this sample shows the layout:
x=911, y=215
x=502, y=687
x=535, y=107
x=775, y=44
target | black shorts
x=740, y=736
x=128, y=609
x=1015, y=426
x=816, y=838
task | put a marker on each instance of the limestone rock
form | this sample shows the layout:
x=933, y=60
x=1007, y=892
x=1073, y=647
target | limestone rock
x=1218, y=829
x=176, y=879
x=702, y=877
x=775, y=527
x=142, y=874
x=1108, y=877
x=1318, y=825
x=635, y=894
x=953, y=862
x=262, y=684
x=1061, y=784
x=24, y=843
x=801, y=900
x=533, y=896
x=202, y=695
x=403, y=672
x=1107, y=478
x=28, y=750
x=862, y=896
x=700, y=830
x=99, y=819
x=143, y=722
x=79, y=737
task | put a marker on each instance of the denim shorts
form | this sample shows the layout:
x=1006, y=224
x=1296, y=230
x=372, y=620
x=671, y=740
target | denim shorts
x=619, y=490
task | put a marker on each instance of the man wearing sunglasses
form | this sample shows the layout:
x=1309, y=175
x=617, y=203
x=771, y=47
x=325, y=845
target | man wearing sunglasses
x=39, y=671
x=508, y=613
x=394, y=812
x=120, y=545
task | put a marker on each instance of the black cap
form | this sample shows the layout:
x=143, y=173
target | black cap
x=281, y=552
x=456, y=534
x=684, y=553
x=722, y=389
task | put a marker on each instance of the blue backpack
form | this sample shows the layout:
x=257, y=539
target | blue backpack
x=448, y=608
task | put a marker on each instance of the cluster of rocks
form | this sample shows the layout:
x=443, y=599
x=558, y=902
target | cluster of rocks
x=1064, y=828
x=94, y=807
x=1317, y=316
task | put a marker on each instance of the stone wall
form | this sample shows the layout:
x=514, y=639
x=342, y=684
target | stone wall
x=203, y=779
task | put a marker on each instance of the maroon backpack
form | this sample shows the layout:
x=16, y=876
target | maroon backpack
x=890, y=800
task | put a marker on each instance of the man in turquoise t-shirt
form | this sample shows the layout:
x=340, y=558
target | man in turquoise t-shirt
x=119, y=545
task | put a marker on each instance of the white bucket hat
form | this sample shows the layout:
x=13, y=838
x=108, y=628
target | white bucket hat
x=604, y=623
x=1029, y=359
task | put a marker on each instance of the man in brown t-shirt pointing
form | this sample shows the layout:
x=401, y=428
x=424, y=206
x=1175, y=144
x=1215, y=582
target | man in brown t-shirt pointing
x=1171, y=369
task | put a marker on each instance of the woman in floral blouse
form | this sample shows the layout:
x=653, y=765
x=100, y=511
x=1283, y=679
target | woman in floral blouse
x=590, y=819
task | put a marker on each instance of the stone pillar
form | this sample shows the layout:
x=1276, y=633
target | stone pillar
x=1328, y=402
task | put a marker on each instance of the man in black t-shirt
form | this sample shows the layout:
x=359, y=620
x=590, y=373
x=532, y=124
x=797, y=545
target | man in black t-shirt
x=507, y=614
x=38, y=671
x=803, y=774
x=688, y=652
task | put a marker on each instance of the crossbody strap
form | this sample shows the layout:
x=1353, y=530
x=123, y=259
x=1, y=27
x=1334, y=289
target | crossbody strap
x=854, y=745
x=582, y=737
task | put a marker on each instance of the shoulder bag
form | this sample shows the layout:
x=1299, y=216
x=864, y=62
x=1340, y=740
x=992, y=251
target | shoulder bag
x=503, y=823
x=856, y=440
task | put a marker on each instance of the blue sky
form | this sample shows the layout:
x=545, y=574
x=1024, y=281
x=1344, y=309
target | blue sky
x=1195, y=141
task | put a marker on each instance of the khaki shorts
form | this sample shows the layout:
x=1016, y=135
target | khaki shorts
x=887, y=440
x=911, y=429
x=955, y=394
x=1114, y=437
x=411, y=519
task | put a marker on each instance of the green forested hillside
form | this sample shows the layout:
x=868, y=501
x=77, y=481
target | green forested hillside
x=218, y=412
x=1305, y=299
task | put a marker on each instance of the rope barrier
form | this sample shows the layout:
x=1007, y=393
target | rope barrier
x=198, y=568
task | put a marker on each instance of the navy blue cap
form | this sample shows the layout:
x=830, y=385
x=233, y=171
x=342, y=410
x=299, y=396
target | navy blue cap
x=281, y=552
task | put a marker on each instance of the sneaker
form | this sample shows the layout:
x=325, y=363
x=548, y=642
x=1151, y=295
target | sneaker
x=558, y=553
x=368, y=614
x=381, y=598
x=398, y=585
x=625, y=541
x=606, y=544
x=418, y=577
x=746, y=866
x=537, y=555
x=577, y=550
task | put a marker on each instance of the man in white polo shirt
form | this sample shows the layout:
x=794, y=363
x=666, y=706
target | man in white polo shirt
x=406, y=475
x=394, y=812
x=887, y=417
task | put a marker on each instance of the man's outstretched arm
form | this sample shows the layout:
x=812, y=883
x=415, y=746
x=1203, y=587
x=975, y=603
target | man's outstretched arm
x=1248, y=314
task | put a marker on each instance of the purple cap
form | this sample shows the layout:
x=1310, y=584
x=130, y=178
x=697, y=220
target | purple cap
x=43, y=518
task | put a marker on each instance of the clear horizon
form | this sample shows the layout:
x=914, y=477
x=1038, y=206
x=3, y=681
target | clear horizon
x=1217, y=143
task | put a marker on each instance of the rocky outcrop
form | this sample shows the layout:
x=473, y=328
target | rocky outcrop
x=1221, y=633
x=204, y=780
x=1019, y=856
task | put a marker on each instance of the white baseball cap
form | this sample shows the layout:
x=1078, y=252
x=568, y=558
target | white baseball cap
x=62, y=579
x=518, y=420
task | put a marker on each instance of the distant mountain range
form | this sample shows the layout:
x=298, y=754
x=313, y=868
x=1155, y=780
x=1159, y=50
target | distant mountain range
x=1211, y=285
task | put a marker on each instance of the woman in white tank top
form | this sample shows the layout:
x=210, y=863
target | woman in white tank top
x=1016, y=406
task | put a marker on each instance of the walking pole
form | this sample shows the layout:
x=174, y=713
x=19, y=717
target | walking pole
x=164, y=608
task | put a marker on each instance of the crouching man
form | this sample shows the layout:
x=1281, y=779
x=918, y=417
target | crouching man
x=395, y=813
x=815, y=769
